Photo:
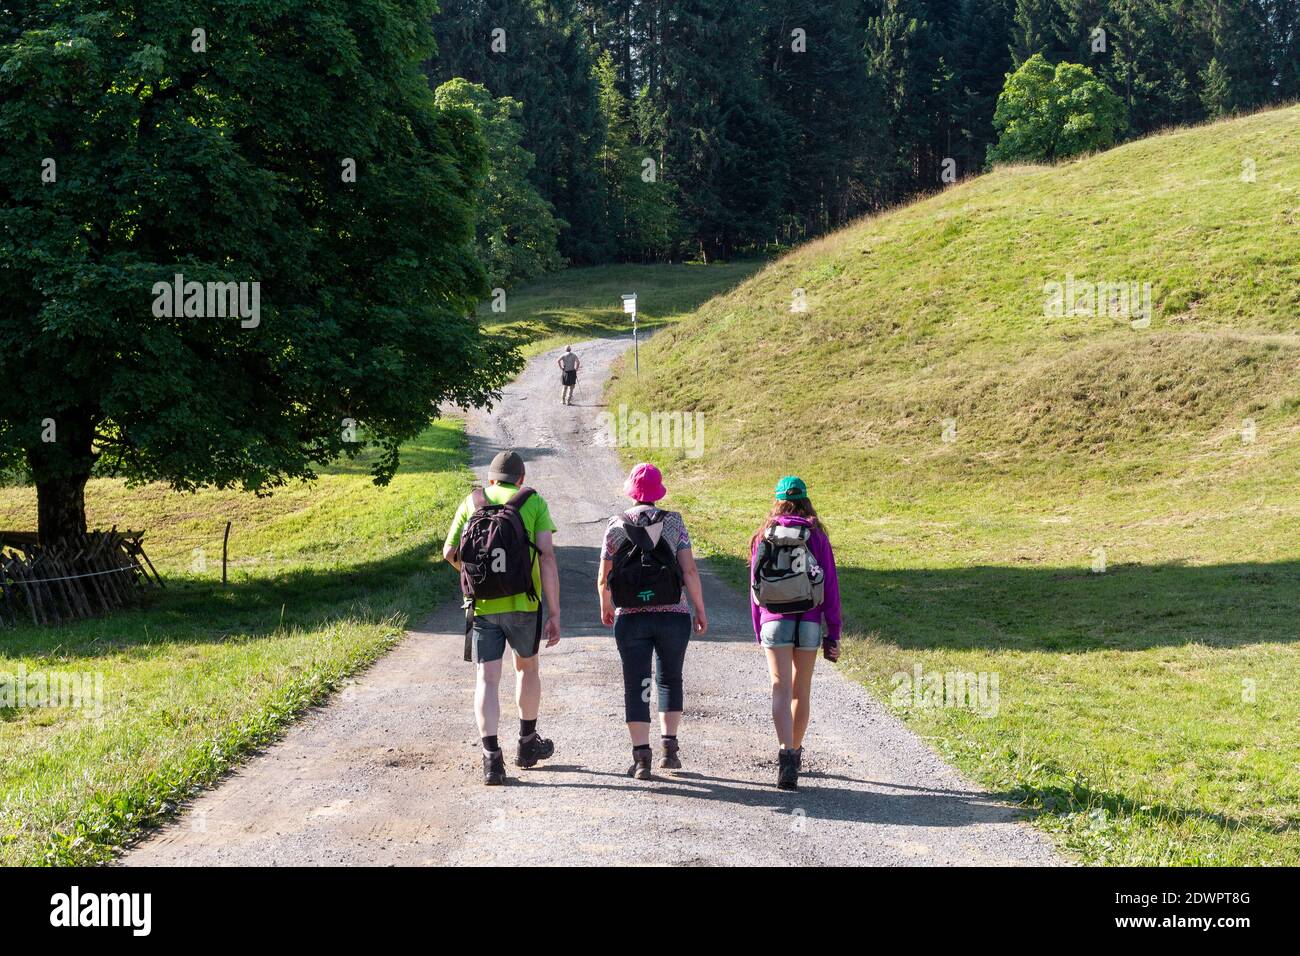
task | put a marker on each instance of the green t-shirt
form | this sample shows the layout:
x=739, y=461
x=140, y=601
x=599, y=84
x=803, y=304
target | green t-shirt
x=536, y=517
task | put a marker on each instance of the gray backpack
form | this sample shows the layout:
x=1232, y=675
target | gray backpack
x=787, y=578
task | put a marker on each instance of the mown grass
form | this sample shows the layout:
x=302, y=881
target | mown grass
x=587, y=303
x=323, y=579
x=976, y=459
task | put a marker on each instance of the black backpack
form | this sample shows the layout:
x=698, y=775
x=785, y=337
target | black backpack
x=496, y=554
x=645, y=570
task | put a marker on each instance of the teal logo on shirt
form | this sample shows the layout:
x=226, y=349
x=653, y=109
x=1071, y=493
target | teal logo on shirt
x=645, y=595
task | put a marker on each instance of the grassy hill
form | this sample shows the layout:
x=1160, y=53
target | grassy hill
x=1101, y=511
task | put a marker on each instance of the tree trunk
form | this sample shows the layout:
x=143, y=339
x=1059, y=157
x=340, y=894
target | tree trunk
x=60, y=469
x=61, y=507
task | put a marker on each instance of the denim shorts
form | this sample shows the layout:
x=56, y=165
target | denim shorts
x=493, y=631
x=782, y=634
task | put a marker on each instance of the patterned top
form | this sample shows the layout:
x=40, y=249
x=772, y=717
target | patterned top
x=674, y=533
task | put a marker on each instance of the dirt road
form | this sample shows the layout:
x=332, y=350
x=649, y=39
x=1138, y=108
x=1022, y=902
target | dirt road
x=388, y=772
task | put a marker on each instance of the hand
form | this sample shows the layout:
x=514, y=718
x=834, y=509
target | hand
x=551, y=630
x=832, y=651
x=701, y=621
x=607, y=615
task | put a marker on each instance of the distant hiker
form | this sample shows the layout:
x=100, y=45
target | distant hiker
x=569, y=364
x=500, y=539
x=795, y=600
x=645, y=564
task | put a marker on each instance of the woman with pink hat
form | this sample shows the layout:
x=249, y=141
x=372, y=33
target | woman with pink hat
x=645, y=565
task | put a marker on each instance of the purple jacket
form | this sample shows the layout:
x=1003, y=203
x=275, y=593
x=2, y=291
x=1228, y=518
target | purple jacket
x=829, y=610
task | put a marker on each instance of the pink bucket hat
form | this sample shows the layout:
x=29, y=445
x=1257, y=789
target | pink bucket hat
x=644, y=483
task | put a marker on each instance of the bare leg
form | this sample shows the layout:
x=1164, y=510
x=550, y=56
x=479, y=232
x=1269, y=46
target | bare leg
x=779, y=666
x=487, y=706
x=528, y=686
x=639, y=731
x=801, y=706
x=669, y=721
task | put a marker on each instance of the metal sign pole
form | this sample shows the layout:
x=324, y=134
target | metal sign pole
x=629, y=306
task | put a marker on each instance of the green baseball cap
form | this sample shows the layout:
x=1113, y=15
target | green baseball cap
x=791, y=488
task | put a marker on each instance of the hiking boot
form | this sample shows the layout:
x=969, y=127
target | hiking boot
x=670, y=760
x=494, y=768
x=787, y=774
x=640, y=768
x=533, y=749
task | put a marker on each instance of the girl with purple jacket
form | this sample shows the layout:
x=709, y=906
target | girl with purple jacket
x=792, y=640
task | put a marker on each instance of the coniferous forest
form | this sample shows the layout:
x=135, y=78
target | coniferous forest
x=663, y=129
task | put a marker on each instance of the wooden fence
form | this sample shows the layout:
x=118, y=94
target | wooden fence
x=80, y=577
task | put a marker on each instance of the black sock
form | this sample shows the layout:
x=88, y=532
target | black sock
x=490, y=743
x=640, y=747
x=527, y=727
x=668, y=736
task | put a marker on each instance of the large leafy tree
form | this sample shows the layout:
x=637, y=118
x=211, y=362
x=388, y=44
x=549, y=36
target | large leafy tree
x=216, y=141
x=516, y=227
x=1047, y=113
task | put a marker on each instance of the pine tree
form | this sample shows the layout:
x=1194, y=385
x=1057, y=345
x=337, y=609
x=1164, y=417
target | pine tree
x=639, y=212
x=1146, y=67
x=541, y=57
x=900, y=55
x=1037, y=27
x=1284, y=43
x=816, y=74
x=723, y=143
x=982, y=61
x=1239, y=75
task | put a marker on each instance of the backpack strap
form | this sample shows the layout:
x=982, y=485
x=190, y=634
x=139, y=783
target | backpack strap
x=479, y=498
x=469, y=628
x=537, y=633
x=516, y=502
x=638, y=536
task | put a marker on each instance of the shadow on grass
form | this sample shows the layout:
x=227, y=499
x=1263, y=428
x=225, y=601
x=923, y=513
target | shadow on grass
x=1058, y=801
x=194, y=612
x=1066, y=610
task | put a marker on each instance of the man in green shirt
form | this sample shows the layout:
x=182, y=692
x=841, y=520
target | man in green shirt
x=512, y=620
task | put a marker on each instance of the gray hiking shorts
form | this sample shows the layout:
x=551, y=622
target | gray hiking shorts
x=492, y=632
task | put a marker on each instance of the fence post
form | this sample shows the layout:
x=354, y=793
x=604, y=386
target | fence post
x=225, y=543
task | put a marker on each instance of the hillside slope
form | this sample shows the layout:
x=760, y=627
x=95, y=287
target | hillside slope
x=978, y=452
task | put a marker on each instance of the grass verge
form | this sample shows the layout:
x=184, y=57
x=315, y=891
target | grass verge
x=323, y=579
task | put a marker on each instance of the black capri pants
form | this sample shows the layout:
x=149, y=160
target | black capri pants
x=662, y=635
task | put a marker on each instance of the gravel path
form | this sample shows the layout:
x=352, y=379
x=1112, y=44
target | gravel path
x=388, y=771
